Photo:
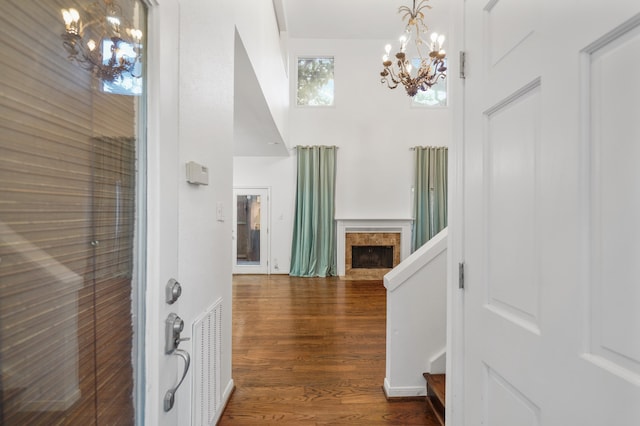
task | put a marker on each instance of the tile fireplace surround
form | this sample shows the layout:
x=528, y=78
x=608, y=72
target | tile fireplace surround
x=370, y=226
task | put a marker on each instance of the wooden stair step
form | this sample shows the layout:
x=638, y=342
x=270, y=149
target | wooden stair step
x=436, y=384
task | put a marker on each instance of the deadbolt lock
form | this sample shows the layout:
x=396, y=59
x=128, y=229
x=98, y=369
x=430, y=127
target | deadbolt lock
x=173, y=291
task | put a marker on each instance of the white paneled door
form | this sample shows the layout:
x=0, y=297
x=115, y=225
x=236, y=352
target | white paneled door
x=551, y=201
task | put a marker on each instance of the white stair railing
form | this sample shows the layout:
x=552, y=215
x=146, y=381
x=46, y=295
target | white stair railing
x=416, y=318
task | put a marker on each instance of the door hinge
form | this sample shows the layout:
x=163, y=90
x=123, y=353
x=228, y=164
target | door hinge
x=462, y=64
x=461, y=275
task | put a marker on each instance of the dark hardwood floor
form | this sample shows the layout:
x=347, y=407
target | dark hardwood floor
x=311, y=351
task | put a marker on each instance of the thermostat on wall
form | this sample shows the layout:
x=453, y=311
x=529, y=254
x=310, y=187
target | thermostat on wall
x=197, y=173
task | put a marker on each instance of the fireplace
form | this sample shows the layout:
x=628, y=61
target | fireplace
x=394, y=233
x=371, y=257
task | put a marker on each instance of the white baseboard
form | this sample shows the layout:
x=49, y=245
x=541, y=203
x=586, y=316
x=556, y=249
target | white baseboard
x=403, y=391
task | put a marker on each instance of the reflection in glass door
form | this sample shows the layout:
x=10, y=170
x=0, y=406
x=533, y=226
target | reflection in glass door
x=250, y=242
x=71, y=147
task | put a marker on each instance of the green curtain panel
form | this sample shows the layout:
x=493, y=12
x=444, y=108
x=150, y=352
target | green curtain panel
x=430, y=194
x=313, y=251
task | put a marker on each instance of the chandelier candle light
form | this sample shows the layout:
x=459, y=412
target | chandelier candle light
x=98, y=44
x=432, y=66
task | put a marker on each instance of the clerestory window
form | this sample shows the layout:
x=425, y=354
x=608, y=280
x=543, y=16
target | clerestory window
x=315, y=81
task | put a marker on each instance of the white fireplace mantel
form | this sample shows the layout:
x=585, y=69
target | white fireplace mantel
x=343, y=226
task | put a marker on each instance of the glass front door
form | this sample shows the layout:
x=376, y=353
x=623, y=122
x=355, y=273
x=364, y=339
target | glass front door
x=70, y=150
x=250, y=242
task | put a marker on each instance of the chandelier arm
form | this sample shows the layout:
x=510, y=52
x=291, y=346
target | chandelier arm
x=391, y=74
x=386, y=74
x=389, y=85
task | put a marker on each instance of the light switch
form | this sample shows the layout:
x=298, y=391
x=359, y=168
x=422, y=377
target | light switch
x=219, y=212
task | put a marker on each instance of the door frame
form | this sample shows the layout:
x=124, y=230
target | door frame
x=139, y=279
x=265, y=225
x=455, y=296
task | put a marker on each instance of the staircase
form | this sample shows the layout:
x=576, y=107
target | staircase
x=436, y=394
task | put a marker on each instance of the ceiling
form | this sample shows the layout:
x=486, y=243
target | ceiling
x=255, y=131
x=350, y=19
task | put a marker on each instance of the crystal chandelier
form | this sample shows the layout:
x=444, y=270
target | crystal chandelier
x=430, y=66
x=101, y=41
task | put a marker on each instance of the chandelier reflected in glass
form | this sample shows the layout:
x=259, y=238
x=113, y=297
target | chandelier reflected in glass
x=102, y=41
x=429, y=60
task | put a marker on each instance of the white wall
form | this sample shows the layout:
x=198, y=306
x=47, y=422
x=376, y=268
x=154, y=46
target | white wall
x=374, y=127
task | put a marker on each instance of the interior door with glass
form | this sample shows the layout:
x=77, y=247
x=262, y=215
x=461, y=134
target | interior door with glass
x=71, y=147
x=251, y=231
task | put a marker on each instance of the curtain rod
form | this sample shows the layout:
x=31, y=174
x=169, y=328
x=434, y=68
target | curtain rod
x=413, y=148
x=311, y=146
